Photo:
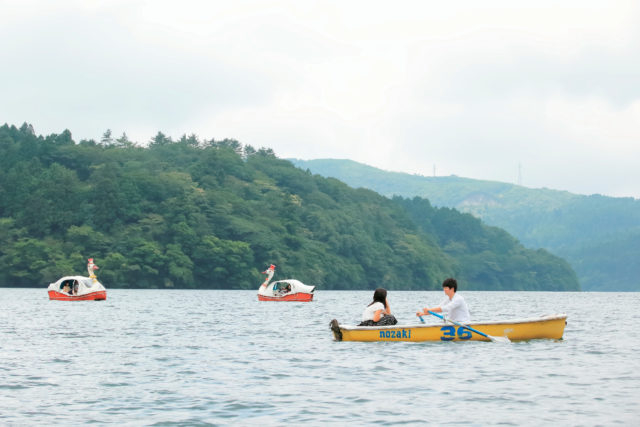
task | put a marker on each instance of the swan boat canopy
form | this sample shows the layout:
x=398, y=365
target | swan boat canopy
x=283, y=290
x=543, y=327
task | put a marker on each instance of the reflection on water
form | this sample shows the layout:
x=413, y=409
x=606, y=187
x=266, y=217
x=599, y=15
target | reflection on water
x=221, y=357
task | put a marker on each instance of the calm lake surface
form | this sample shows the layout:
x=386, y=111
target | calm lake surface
x=173, y=357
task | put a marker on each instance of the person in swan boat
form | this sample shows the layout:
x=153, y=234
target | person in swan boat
x=285, y=290
x=378, y=313
x=453, y=307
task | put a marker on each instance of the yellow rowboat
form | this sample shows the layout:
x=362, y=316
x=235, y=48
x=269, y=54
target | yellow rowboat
x=544, y=327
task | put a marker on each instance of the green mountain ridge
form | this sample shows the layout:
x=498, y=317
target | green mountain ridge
x=598, y=235
x=204, y=214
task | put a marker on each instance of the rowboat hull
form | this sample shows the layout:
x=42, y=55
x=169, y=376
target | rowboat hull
x=93, y=296
x=545, y=327
x=304, y=297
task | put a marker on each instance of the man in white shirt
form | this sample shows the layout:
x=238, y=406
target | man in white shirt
x=453, y=306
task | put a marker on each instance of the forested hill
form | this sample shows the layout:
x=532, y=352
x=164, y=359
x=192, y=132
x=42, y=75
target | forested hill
x=197, y=213
x=598, y=235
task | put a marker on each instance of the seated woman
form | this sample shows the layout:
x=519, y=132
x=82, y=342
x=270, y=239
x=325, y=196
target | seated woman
x=378, y=313
x=66, y=288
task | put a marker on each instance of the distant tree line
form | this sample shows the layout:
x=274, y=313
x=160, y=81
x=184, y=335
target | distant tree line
x=598, y=235
x=193, y=213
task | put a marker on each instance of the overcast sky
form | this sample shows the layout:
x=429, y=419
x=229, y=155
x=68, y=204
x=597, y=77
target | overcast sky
x=480, y=89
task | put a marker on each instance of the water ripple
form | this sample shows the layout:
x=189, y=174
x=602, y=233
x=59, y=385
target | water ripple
x=167, y=358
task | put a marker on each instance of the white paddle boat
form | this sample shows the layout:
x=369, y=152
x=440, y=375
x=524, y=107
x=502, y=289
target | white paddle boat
x=78, y=288
x=283, y=290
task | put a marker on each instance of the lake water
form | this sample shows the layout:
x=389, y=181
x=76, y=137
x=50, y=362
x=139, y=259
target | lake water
x=173, y=357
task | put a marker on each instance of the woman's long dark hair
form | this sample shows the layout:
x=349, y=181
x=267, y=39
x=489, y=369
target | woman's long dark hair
x=380, y=295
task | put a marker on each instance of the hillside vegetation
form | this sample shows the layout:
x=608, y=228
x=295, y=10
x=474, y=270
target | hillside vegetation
x=213, y=214
x=598, y=235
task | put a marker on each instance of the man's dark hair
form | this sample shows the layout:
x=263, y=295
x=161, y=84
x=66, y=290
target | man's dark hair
x=450, y=283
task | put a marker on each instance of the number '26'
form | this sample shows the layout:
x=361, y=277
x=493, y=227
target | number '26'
x=449, y=333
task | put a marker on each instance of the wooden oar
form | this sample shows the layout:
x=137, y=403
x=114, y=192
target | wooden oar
x=503, y=340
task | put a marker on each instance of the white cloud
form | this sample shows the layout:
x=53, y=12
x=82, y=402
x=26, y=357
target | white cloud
x=597, y=123
x=474, y=88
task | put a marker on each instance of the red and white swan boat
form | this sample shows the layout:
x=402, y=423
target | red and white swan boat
x=283, y=290
x=78, y=288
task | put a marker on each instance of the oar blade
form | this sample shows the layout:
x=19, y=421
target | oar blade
x=501, y=340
